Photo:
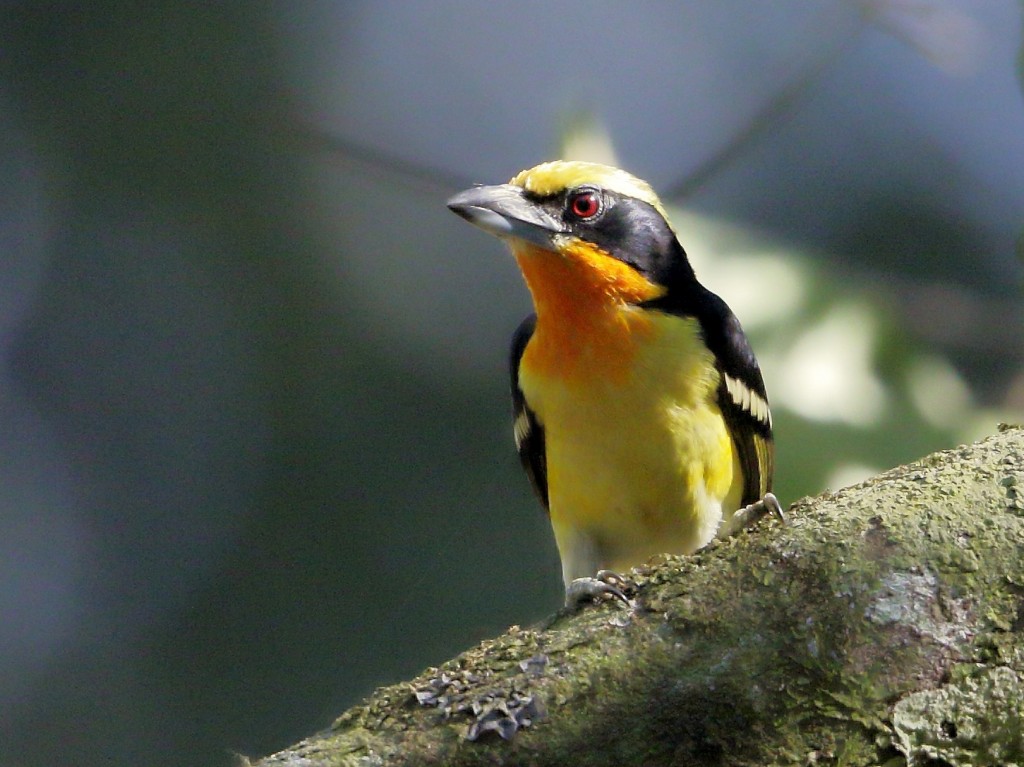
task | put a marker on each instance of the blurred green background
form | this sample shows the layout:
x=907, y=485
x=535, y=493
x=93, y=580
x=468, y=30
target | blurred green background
x=255, y=450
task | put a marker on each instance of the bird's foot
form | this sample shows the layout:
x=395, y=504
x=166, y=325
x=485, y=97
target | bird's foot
x=750, y=515
x=604, y=586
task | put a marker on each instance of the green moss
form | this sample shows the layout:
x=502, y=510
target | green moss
x=837, y=638
x=977, y=719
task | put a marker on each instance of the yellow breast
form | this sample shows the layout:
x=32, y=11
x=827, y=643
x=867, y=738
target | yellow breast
x=639, y=459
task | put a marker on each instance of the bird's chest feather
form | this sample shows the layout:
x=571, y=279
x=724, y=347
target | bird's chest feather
x=639, y=458
x=636, y=447
x=639, y=389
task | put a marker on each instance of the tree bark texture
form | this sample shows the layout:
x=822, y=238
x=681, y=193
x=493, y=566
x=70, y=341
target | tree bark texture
x=882, y=624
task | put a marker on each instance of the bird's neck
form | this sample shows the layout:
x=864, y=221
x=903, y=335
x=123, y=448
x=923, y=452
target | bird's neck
x=587, y=322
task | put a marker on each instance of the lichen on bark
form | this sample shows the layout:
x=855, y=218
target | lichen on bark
x=837, y=637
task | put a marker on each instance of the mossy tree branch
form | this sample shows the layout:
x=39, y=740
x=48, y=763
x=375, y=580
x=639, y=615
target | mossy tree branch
x=883, y=623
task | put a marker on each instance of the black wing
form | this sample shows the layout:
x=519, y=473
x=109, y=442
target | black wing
x=741, y=394
x=744, y=403
x=528, y=432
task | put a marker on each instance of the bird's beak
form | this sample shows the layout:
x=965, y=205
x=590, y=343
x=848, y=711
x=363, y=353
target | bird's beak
x=504, y=211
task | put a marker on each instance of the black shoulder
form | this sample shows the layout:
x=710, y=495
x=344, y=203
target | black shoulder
x=741, y=394
x=528, y=433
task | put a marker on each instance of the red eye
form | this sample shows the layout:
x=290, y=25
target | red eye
x=585, y=204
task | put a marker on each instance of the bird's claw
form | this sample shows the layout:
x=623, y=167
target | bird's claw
x=606, y=585
x=752, y=514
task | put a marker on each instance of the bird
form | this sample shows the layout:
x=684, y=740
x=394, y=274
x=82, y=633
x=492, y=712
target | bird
x=639, y=410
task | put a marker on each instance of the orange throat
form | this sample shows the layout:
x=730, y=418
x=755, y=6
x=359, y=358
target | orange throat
x=585, y=322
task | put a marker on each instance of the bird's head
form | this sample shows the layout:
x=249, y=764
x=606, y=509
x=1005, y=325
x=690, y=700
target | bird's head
x=607, y=229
